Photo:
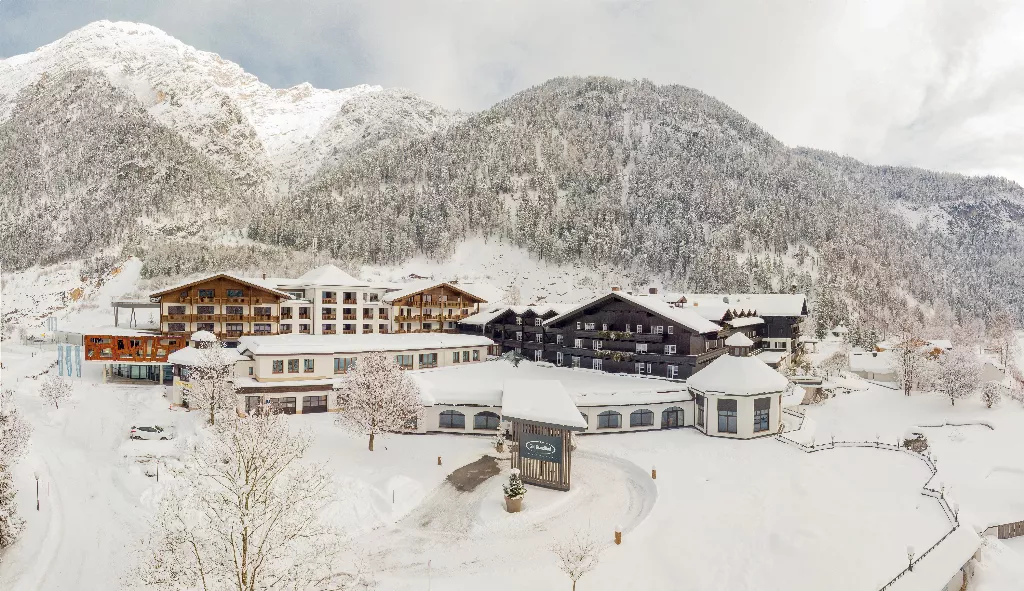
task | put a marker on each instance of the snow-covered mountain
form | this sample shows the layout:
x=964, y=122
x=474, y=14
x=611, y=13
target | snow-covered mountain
x=257, y=133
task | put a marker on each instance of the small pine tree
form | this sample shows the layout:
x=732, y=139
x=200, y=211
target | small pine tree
x=515, y=488
x=514, y=357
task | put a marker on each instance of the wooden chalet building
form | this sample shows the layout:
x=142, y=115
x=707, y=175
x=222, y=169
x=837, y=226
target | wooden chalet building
x=515, y=328
x=431, y=308
x=227, y=306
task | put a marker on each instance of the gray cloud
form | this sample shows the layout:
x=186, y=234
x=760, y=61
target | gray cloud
x=932, y=84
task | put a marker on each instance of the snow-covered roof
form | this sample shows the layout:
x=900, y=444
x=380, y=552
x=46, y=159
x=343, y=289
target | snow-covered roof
x=874, y=362
x=482, y=383
x=118, y=331
x=771, y=357
x=417, y=287
x=944, y=344
x=738, y=340
x=258, y=283
x=192, y=356
x=487, y=315
x=541, y=401
x=484, y=316
x=203, y=336
x=296, y=301
x=766, y=304
x=329, y=275
x=291, y=344
x=738, y=376
x=652, y=303
x=840, y=330
x=745, y=321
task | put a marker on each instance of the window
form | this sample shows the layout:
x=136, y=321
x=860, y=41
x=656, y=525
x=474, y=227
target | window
x=559, y=358
x=206, y=293
x=578, y=343
x=639, y=329
x=538, y=355
x=486, y=420
x=672, y=372
x=452, y=419
x=641, y=418
x=519, y=320
x=236, y=293
x=307, y=366
x=597, y=364
x=672, y=418
x=428, y=360
x=455, y=357
x=262, y=329
x=609, y=419
x=641, y=347
x=726, y=416
x=476, y=354
x=658, y=329
x=700, y=410
x=589, y=326
x=761, y=408
x=314, y=404
x=175, y=309
x=559, y=339
x=250, y=370
x=367, y=313
x=670, y=349
x=207, y=326
x=519, y=336
x=204, y=310
x=669, y=330
x=263, y=310
x=465, y=356
x=233, y=310
x=369, y=328
x=579, y=326
x=278, y=366
x=575, y=361
x=293, y=366
x=404, y=361
x=539, y=337
x=176, y=327
x=604, y=327
x=538, y=321
x=597, y=345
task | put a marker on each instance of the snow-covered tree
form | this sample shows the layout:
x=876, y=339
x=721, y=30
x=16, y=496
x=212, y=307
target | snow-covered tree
x=377, y=397
x=959, y=373
x=210, y=383
x=835, y=363
x=14, y=434
x=992, y=393
x=55, y=390
x=1002, y=336
x=515, y=488
x=244, y=514
x=577, y=555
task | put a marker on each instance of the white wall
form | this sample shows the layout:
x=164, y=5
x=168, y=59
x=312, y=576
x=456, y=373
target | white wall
x=744, y=415
x=323, y=365
x=592, y=413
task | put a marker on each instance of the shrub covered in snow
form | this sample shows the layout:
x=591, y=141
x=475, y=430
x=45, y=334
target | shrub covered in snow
x=515, y=488
x=55, y=390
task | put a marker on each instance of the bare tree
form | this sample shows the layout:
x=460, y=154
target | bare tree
x=959, y=374
x=244, y=514
x=210, y=382
x=14, y=435
x=577, y=555
x=55, y=390
x=377, y=397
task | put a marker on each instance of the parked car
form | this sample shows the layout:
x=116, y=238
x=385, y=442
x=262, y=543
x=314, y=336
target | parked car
x=153, y=432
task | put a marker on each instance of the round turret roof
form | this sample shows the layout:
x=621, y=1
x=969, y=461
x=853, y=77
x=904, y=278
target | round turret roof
x=203, y=336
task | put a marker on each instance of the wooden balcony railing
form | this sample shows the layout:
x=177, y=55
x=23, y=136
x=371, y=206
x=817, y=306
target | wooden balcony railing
x=348, y=332
x=330, y=331
x=348, y=316
x=328, y=316
x=348, y=301
x=329, y=300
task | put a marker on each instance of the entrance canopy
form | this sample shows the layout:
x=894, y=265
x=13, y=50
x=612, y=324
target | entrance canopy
x=541, y=402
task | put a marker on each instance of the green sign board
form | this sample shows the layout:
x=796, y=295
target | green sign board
x=541, y=447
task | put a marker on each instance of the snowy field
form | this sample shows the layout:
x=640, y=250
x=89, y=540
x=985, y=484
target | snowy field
x=834, y=520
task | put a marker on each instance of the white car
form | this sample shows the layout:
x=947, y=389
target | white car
x=153, y=432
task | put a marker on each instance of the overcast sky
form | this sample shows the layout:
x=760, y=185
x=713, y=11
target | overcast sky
x=931, y=83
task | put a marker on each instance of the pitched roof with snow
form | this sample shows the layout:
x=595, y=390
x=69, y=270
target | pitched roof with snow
x=738, y=376
x=489, y=314
x=652, y=303
x=739, y=340
x=745, y=321
x=258, y=284
x=422, y=286
x=294, y=344
x=203, y=336
x=192, y=356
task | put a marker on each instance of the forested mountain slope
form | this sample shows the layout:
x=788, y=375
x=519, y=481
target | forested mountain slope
x=665, y=180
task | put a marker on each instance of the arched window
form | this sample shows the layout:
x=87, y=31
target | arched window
x=672, y=418
x=609, y=419
x=641, y=418
x=486, y=420
x=452, y=419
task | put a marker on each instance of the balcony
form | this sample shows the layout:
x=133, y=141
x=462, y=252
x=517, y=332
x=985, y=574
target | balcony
x=348, y=317
x=349, y=301
x=328, y=316
x=348, y=332
x=304, y=316
x=330, y=331
x=263, y=318
x=176, y=318
x=303, y=330
x=233, y=334
x=329, y=301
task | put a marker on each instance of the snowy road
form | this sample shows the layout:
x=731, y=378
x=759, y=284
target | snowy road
x=469, y=536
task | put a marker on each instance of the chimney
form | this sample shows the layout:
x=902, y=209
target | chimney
x=616, y=288
x=264, y=275
x=652, y=290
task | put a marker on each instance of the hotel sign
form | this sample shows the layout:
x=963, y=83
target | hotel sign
x=541, y=447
